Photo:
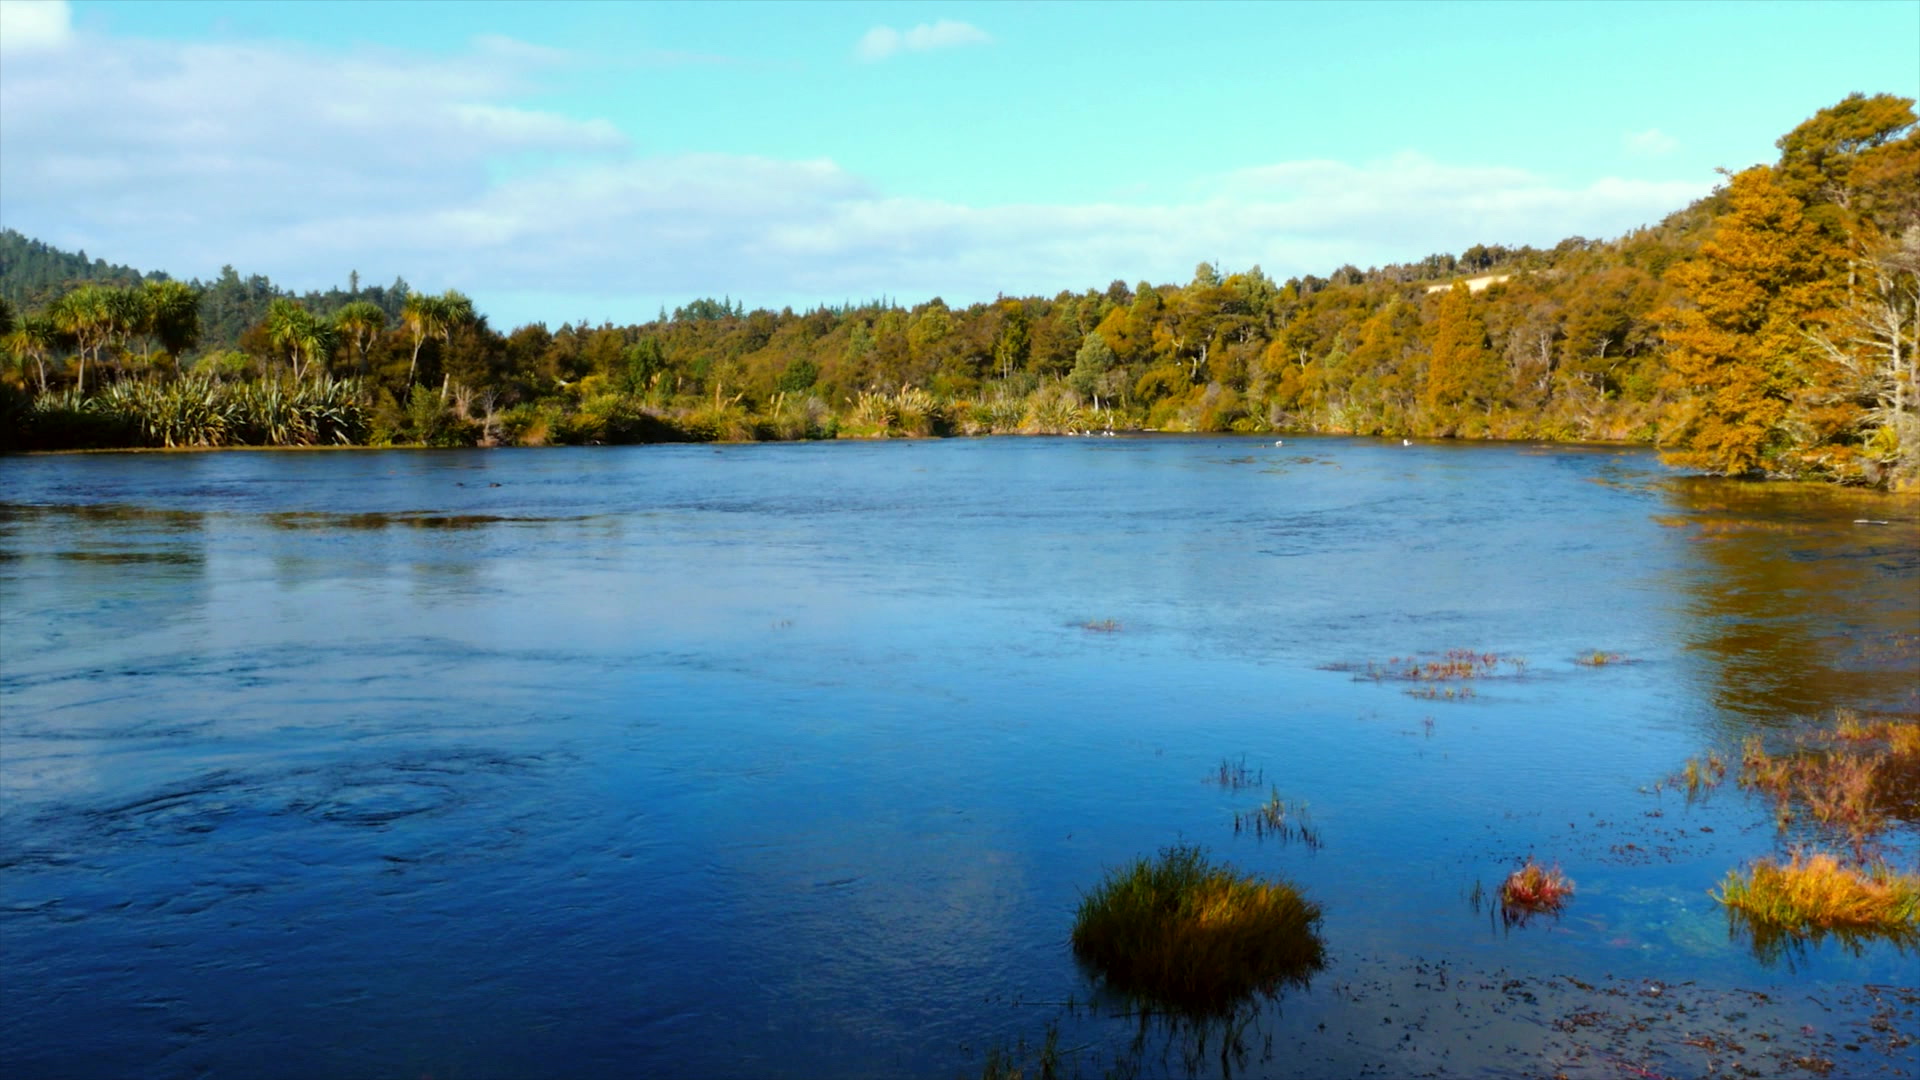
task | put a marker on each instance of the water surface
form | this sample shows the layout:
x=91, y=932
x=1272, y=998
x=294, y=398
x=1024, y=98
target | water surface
x=795, y=759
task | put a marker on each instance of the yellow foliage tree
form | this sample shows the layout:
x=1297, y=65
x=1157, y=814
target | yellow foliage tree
x=1739, y=353
x=1460, y=374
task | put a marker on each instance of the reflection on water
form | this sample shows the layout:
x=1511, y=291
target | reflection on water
x=1805, y=599
x=795, y=760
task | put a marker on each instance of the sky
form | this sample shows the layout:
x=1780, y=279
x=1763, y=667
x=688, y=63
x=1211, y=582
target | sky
x=590, y=162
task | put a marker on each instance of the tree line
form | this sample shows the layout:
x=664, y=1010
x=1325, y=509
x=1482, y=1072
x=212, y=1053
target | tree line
x=1768, y=328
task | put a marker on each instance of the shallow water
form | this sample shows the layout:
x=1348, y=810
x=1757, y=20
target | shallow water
x=795, y=759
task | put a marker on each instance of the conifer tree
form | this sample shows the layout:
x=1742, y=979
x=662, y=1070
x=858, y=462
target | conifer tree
x=1460, y=375
x=1739, y=353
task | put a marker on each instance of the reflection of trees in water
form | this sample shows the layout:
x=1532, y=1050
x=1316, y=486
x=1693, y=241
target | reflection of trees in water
x=1798, y=608
x=1773, y=943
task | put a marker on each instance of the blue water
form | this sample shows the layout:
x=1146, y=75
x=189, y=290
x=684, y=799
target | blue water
x=794, y=760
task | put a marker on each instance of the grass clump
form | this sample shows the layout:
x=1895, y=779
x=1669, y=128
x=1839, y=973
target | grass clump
x=1195, y=937
x=1813, y=892
x=1102, y=626
x=1852, y=786
x=1534, y=888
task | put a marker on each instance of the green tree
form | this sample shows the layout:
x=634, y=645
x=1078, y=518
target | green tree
x=360, y=321
x=424, y=316
x=1011, y=344
x=127, y=316
x=306, y=338
x=173, y=315
x=83, y=316
x=34, y=338
x=1090, y=367
x=455, y=311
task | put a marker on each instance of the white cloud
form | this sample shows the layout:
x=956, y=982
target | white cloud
x=1650, y=143
x=303, y=166
x=884, y=41
x=34, y=25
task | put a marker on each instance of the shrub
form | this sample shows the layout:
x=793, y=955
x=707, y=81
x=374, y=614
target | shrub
x=1198, y=938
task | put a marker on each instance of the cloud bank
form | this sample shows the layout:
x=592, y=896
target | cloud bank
x=34, y=25
x=303, y=166
x=882, y=42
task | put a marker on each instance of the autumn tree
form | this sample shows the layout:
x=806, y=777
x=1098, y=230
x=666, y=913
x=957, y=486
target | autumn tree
x=1738, y=348
x=1460, y=371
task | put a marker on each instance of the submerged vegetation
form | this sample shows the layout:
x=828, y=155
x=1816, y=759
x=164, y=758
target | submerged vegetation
x=1185, y=934
x=1599, y=658
x=1277, y=818
x=1761, y=330
x=1849, y=781
x=1237, y=775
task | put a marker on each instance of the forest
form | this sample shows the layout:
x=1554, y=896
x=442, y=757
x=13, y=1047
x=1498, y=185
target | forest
x=1767, y=330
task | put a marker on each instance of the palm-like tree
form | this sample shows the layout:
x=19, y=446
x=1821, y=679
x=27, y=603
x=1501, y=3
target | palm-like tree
x=424, y=316
x=34, y=337
x=361, y=321
x=83, y=315
x=127, y=317
x=306, y=339
x=456, y=310
x=173, y=315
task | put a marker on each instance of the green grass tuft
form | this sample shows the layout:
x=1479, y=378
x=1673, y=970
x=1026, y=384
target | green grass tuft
x=1191, y=936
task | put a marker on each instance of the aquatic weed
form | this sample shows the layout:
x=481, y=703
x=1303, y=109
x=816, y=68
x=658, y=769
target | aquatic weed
x=1534, y=888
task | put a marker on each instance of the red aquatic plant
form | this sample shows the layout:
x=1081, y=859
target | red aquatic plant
x=1534, y=887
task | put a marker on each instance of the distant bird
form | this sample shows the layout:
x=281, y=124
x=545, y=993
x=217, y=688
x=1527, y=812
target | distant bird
x=1406, y=442
x=1279, y=442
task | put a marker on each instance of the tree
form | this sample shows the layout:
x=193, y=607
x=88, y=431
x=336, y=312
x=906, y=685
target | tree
x=1090, y=367
x=455, y=311
x=127, y=316
x=1011, y=345
x=83, y=316
x=1738, y=352
x=1460, y=374
x=423, y=316
x=1818, y=159
x=173, y=315
x=360, y=321
x=1876, y=345
x=34, y=338
x=305, y=337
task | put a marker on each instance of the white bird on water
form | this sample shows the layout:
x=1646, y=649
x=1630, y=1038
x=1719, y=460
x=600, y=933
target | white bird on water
x=1406, y=442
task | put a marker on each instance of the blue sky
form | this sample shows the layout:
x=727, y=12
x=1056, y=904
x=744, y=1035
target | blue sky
x=601, y=160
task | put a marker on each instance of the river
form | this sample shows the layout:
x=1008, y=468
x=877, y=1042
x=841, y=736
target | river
x=795, y=760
